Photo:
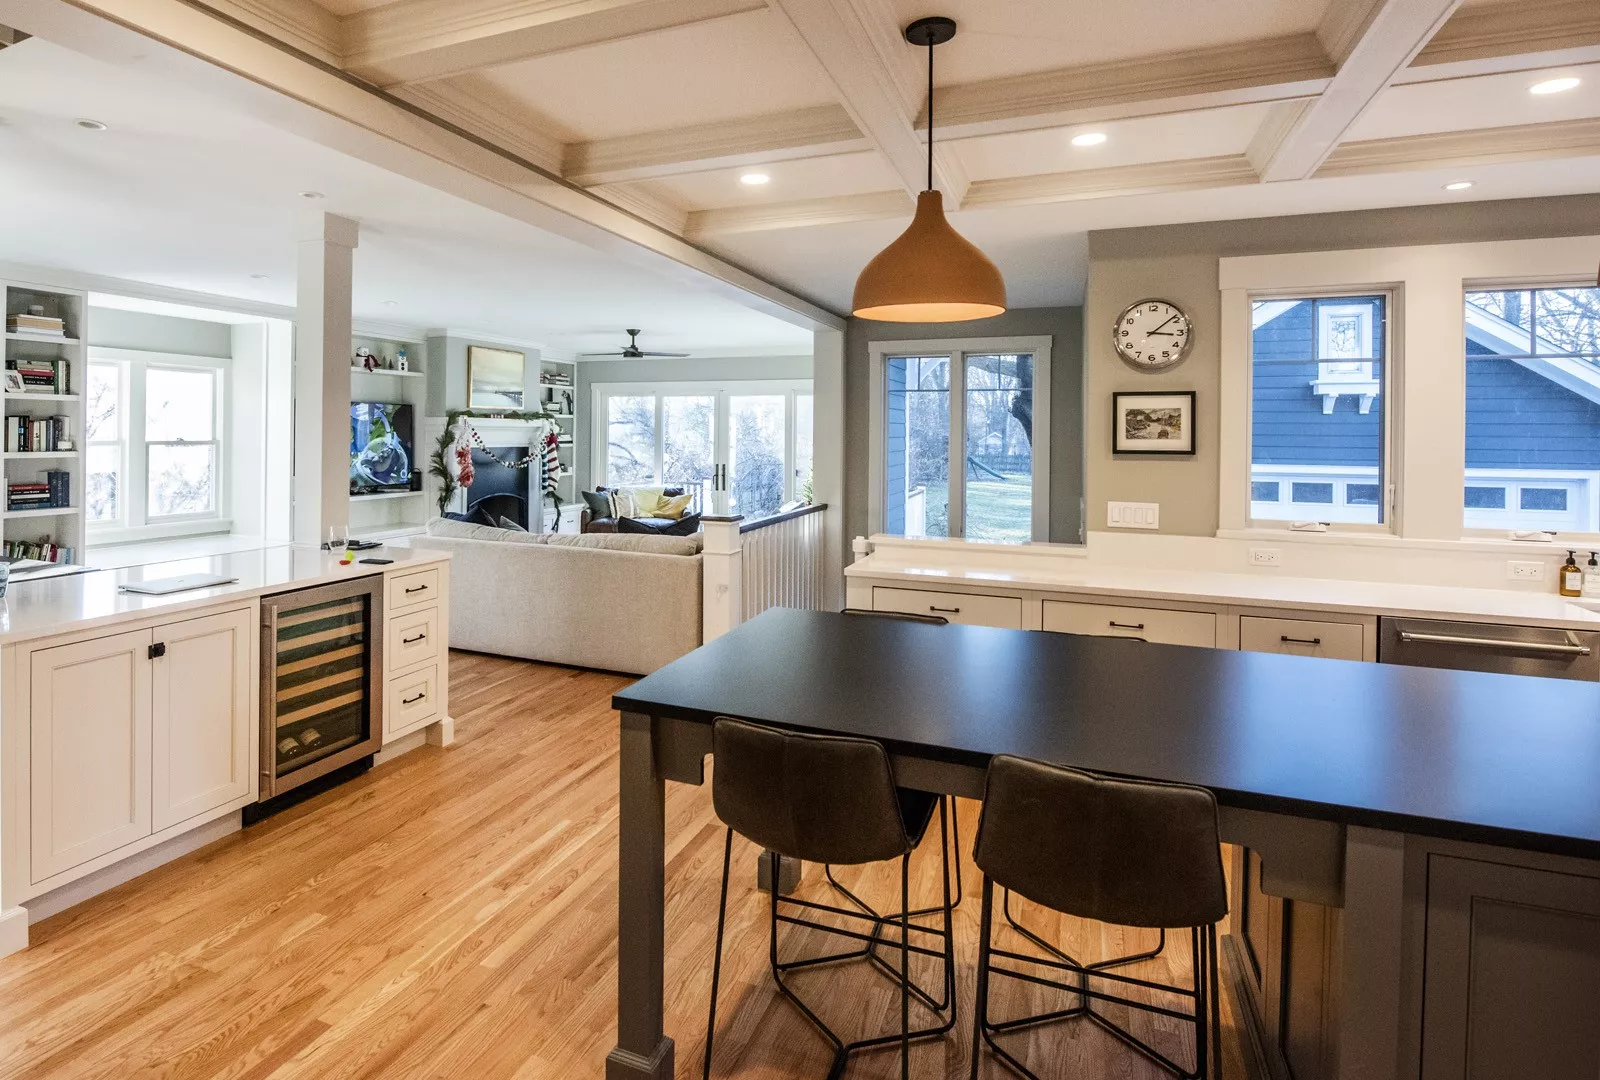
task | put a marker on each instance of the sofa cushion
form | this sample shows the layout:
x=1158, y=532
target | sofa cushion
x=599, y=504
x=511, y=526
x=673, y=506
x=466, y=530
x=650, y=545
x=687, y=525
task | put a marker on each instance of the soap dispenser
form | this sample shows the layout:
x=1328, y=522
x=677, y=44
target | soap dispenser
x=1591, y=577
x=1571, y=576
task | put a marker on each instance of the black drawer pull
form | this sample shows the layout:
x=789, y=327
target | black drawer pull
x=947, y=610
x=416, y=588
x=158, y=650
x=1126, y=625
x=413, y=700
x=1287, y=640
x=413, y=640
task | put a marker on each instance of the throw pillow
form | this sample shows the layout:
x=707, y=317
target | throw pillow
x=673, y=506
x=641, y=528
x=599, y=504
x=646, y=500
x=621, y=502
x=511, y=526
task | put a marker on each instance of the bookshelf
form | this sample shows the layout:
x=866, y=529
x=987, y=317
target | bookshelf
x=62, y=525
x=558, y=395
x=392, y=513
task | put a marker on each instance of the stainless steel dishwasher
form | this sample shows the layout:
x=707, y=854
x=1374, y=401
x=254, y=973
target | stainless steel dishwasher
x=1469, y=646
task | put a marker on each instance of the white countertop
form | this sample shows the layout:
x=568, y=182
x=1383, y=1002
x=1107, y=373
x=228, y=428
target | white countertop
x=1089, y=578
x=59, y=605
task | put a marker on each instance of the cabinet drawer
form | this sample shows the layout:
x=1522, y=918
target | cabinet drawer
x=973, y=609
x=410, y=701
x=1300, y=637
x=411, y=638
x=1152, y=624
x=411, y=589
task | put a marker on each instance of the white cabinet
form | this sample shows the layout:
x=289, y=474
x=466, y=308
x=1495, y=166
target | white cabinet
x=416, y=651
x=1301, y=637
x=412, y=589
x=89, y=726
x=1160, y=625
x=411, y=638
x=973, y=609
x=203, y=715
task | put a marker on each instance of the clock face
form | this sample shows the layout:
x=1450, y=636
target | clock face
x=1153, y=335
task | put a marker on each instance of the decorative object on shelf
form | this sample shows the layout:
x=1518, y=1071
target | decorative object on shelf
x=495, y=378
x=445, y=464
x=931, y=273
x=365, y=359
x=1153, y=422
x=402, y=362
x=14, y=381
x=630, y=351
x=1153, y=335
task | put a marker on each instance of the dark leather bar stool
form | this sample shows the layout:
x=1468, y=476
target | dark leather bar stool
x=830, y=800
x=1128, y=852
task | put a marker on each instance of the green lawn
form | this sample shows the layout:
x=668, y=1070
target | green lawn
x=997, y=511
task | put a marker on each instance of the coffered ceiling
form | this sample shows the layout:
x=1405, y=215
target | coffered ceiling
x=1208, y=108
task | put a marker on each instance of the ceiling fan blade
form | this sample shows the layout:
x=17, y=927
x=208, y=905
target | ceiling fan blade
x=677, y=354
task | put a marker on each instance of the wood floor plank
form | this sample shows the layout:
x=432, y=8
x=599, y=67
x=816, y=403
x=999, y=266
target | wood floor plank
x=452, y=913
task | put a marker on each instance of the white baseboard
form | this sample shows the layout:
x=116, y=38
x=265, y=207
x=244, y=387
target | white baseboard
x=58, y=900
x=13, y=931
x=443, y=733
x=403, y=745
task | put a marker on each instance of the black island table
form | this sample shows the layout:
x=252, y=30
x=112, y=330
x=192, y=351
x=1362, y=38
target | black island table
x=1393, y=802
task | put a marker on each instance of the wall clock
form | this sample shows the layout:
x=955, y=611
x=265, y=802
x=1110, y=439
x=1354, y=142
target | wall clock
x=1153, y=335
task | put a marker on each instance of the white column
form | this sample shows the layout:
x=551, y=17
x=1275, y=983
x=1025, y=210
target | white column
x=721, y=576
x=322, y=377
x=828, y=456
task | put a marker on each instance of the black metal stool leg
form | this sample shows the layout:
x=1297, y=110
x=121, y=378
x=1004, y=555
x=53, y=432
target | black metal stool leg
x=980, y=1002
x=905, y=966
x=716, y=964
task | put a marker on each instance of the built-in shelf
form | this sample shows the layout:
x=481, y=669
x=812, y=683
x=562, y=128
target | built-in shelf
x=391, y=372
x=377, y=496
x=51, y=511
x=558, y=385
x=17, y=335
x=42, y=397
x=39, y=455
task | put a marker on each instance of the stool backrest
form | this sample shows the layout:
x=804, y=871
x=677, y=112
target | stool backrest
x=903, y=616
x=1129, y=852
x=819, y=798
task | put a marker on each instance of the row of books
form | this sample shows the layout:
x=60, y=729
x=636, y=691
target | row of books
x=41, y=550
x=41, y=376
x=34, y=435
x=43, y=325
x=52, y=493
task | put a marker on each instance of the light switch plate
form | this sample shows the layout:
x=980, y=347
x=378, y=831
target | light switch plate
x=1129, y=515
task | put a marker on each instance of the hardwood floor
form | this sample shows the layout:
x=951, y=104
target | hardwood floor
x=453, y=914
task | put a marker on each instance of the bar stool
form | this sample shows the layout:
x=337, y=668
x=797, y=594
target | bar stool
x=833, y=800
x=1128, y=852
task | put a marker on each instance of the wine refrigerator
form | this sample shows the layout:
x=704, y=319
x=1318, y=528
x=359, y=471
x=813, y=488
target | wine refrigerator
x=321, y=681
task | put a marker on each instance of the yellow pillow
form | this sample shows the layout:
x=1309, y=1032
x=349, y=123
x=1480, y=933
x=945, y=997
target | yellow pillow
x=672, y=506
x=640, y=502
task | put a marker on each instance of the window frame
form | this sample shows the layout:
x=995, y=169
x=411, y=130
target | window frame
x=958, y=349
x=215, y=442
x=120, y=443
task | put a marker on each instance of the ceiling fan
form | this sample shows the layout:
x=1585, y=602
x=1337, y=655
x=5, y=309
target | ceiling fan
x=632, y=351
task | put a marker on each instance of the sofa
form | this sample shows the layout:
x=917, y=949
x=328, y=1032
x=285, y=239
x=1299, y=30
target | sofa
x=597, y=517
x=613, y=602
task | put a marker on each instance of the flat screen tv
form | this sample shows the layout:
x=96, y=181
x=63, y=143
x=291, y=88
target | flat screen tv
x=381, y=458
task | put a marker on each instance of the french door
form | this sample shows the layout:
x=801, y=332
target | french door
x=745, y=447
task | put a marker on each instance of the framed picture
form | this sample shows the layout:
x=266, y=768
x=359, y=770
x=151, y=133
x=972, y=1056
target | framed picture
x=1153, y=422
x=14, y=381
x=494, y=378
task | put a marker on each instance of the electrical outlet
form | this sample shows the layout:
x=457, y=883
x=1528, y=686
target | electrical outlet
x=1265, y=556
x=1525, y=571
x=1126, y=515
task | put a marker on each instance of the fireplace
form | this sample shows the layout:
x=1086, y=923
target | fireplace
x=498, y=491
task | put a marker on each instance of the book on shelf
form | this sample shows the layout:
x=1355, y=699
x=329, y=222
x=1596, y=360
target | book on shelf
x=43, y=325
x=42, y=376
x=41, y=551
x=52, y=493
x=35, y=435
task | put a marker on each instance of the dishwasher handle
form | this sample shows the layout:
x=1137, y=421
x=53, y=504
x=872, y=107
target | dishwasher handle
x=1545, y=647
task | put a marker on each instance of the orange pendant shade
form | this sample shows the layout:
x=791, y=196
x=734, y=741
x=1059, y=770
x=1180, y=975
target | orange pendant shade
x=931, y=273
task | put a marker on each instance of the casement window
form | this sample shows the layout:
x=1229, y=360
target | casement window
x=961, y=439
x=754, y=436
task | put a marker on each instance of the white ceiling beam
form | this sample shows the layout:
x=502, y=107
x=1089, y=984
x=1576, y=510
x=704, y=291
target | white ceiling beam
x=1372, y=41
x=303, y=24
x=417, y=40
x=474, y=104
x=858, y=44
x=1510, y=37
x=757, y=140
x=799, y=214
x=1484, y=146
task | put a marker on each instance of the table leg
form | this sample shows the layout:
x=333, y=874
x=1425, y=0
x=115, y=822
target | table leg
x=643, y=1050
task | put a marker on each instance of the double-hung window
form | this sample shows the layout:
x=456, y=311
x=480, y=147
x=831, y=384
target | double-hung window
x=105, y=432
x=182, y=451
x=961, y=439
x=1318, y=446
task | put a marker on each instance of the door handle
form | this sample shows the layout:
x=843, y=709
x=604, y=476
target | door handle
x=413, y=640
x=413, y=700
x=1286, y=639
x=1548, y=647
x=1114, y=624
x=946, y=610
x=158, y=650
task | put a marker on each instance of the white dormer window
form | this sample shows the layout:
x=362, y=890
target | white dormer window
x=1344, y=355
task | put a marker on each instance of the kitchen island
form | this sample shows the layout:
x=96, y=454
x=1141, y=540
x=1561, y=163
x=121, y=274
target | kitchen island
x=130, y=724
x=1437, y=831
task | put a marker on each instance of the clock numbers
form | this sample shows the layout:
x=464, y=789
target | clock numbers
x=1152, y=335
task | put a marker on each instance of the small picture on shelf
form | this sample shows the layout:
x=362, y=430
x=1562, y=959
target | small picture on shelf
x=14, y=383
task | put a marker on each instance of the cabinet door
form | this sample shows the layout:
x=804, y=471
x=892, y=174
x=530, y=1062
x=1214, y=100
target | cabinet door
x=204, y=715
x=89, y=724
x=972, y=609
x=1160, y=625
x=1512, y=972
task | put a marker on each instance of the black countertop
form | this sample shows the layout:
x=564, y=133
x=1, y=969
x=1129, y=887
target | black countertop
x=1500, y=759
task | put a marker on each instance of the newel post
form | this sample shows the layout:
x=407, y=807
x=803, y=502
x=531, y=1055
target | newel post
x=721, y=576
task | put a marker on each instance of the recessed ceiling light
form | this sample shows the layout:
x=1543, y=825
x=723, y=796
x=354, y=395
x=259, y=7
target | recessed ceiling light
x=1089, y=138
x=311, y=194
x=89, y=125
x=1555, y=86
x=258, y=277
x=754, y=179
x=1458, y=185
x=389, y=303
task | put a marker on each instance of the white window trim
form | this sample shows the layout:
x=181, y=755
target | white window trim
x=136, y=523
x=1427, y=427
x=958, y=349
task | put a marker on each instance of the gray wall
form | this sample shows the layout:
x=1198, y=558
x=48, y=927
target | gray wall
x=113, y=328
x=447, y=372
x=1179, y=263
x=721, y=369
x=1064, y=326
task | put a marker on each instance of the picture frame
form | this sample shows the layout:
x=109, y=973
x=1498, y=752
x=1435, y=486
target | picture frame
x=495, y=378
x=1153, y=422
x=14, y=384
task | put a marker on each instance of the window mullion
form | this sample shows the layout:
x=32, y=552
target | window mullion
x=958, y=443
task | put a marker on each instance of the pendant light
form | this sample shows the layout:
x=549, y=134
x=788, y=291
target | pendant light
x=931, y=273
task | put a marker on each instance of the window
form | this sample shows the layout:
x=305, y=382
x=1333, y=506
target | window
x=962, y=439
x=106, y=447
x=1533, y=410
x=1318, y=444
x=181, y=447
x=680, y=435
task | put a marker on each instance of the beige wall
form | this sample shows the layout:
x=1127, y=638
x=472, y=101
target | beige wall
x=1179, y=263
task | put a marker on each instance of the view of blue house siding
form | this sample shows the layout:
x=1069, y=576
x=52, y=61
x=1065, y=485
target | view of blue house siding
x=1288, y=425
x=894, y=464
x=1518, y=418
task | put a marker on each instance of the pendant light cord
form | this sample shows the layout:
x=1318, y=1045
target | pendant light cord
x=930, y=115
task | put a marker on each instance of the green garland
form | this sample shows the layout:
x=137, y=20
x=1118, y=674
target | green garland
x=441, y=463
